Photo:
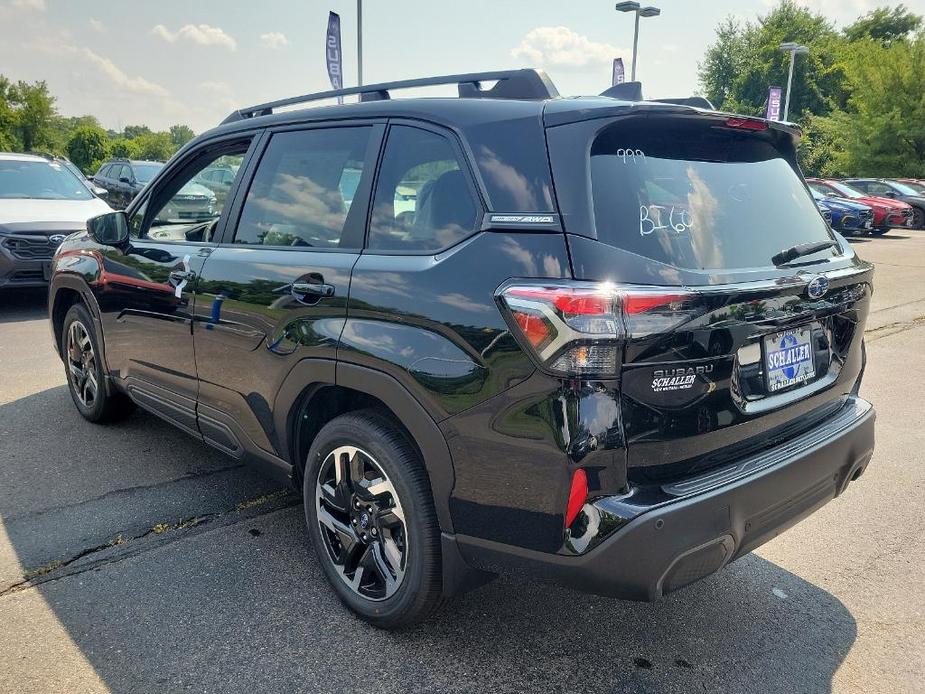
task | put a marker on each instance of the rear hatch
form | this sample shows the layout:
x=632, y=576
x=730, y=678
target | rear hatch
x=751, y=346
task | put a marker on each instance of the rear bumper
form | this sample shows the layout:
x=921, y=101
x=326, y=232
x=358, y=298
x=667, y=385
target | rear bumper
x=713, y=519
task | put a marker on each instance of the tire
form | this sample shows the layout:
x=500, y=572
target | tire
x=394, y=530
x=84, y=370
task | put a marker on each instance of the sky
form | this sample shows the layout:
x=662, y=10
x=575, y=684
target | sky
x=160, y=62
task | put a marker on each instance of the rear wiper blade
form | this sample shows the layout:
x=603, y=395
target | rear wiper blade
x=801, y=249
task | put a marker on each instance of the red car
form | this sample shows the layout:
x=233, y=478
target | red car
x=887, y=212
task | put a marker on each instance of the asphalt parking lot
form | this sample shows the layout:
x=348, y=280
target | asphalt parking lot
x=133, y=558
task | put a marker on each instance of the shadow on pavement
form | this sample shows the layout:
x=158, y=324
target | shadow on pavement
x=243, y=606
x=23, y=304
x=244, y=609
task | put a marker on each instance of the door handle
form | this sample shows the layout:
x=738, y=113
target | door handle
x=303, y=289
x=180, y=278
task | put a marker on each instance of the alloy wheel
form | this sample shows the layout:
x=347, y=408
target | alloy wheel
x=81, y=363
x=362, y=522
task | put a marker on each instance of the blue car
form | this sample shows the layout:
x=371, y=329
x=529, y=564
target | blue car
x=848, y=217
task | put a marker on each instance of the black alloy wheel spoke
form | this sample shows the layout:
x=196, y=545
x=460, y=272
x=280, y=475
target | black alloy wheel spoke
x=362, y=522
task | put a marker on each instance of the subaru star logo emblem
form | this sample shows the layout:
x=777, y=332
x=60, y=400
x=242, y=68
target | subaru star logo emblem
x=817, y=287
x=57, y=238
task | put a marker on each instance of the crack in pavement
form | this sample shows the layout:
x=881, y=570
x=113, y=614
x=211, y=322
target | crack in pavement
x=263, y=505
x=127, y=491
x=893, y=328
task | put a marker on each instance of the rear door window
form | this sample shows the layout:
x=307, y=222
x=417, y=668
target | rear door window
x=423, y=199
x=697, y=196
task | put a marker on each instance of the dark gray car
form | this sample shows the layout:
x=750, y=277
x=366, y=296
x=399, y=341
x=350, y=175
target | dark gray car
x=885, y=188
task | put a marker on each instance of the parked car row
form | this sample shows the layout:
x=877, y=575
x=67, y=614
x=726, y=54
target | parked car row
x=871, y=205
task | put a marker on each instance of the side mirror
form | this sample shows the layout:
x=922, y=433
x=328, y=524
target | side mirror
x=124, y=179
x=110, y=229
x=99, y=192
x=890, y=193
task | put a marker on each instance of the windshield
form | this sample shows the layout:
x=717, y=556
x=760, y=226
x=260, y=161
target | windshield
x=40, y=180
x=847, y=191
x=145, y=172
x=917, y=187
x=699, y=197
x=902, y=188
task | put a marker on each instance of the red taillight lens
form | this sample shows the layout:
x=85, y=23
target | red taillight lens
x=746, y=123
x=578, y=328
x=640, y=303
x=534, y=328
x=577, y=496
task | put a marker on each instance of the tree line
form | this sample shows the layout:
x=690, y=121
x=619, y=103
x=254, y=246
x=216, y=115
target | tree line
x=858, y=93
x=30, y=122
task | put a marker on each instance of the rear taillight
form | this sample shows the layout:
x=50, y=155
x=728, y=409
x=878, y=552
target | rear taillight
x=578, y=328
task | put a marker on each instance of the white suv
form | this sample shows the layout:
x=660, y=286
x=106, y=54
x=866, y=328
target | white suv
x=41, y=202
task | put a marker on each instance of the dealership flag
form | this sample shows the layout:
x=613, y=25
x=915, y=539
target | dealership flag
x=618, y=76
x=332, y=54
x=773, y=110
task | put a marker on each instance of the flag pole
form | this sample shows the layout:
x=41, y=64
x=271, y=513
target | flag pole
x=360, y=43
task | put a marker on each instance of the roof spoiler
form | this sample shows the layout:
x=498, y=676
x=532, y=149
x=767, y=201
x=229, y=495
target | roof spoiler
x=632, y=91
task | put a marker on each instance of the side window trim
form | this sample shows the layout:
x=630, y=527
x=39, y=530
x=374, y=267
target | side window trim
x=466, y=167
x=177, y=168
x=355, y=224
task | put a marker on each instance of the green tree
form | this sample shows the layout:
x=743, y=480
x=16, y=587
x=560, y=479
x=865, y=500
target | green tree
x=180, y=135
x=124, y=148
x=884, y=25
x=8, y=139
x=132, y=131
x=155, y=146
x=746, y=59
x=34, y=110
x=723, y=62
x=87, y=147
x=883, y=126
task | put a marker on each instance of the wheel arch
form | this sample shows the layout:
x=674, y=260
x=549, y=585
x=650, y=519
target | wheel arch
x=332, y=388
x=65, y=291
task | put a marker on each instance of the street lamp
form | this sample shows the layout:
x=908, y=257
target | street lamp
x=793, y=49
x=640, y=12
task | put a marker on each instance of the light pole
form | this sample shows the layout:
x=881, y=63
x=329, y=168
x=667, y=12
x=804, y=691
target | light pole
x=359, y=43
x=640, y=12
x=793, y=49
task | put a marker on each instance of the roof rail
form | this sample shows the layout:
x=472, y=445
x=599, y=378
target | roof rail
x=511, y=84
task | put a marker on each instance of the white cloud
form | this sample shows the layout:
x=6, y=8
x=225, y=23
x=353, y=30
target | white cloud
x=138, y=85
x=38, y=5
x=562, y=47
x=274, y=39
x=202, y=34
x=97, y=25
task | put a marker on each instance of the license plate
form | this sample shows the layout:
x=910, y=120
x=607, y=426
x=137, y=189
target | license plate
x=788, y=358
x=46, y=271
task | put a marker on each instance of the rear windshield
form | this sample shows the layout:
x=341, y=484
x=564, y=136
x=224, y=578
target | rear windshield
x=145, y=172
x=697, y=196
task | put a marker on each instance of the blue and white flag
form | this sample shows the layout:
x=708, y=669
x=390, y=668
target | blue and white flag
x=333, y=55
x=773, y=110
x=618, y=75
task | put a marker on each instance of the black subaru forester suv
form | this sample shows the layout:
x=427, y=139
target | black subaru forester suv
x=604, y=341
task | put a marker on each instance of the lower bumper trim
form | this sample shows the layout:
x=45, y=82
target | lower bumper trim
x=678, y=543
